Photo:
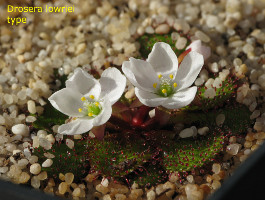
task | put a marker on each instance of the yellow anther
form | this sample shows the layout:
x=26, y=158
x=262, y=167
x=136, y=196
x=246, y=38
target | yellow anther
x=154, y=85
x=159, y=76
x=91, y=97
x=96, y=103
x=90, y=114
x=171, y=76
x=80, y=109
x=164, y=91
x=83, y=98
x=175, y=84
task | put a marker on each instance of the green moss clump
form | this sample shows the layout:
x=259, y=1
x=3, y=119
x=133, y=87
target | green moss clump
x=187, y=154
x=66, y=160
x=117, y=155
x=49, y=118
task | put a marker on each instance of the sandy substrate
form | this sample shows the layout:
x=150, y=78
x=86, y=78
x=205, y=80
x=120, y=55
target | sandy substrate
x=101, y=34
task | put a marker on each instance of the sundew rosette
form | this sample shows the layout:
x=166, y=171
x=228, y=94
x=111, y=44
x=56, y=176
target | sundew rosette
x=88, y=101
x=160, y=81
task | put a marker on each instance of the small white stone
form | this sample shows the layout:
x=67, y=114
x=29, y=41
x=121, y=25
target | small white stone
x=152, y=113
x=214, y=67
x=209, y=82
x=212, y=21
x=181, y=25
x=253, y=106
x=149, y=30
x=162, y=29
x=217, y=83
x=209, y=93
x=50, y=138
x=70, y=143
x=151, y=195
x=3, y=170
x=233, y=149
x=33, y=159
x=105, y=182
x=203, y=130
x=181, y=43
x=47, y=163
x=255, y=114
x=216, y=168
x=220, y=119
x=22, y=163
x=46, y=144
x=199, y=81
x=190, y=179
x=195, y=131
x=204, y=74
x=8, y=98
x=30, y=119
x=35, y=168
x=35, y=182
x=20, y=129
x=174, y=36
x=31, y=107
x=187, y=132
x=202, y=36
x=130, y=93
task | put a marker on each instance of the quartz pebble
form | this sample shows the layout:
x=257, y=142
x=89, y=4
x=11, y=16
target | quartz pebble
x=220, y=119
x=120, y=197
x=216, y=168
x=202, y=36
x=69, y=178
x=35, y=182
x=62, y=187
x=181, y=43
x=187, y=132
x=233, y=149
x=70, y=143
x=32, y=107
x=24, y=178
x=260, y=136
x=151, y=195
x=209, y=93
x=21, y=129
x=47, y=163
x=105, y=182
x=35, y=168
x=42, y=176
x=76, y=192
x=203, y=130
x=102, y=189
x=162, y=29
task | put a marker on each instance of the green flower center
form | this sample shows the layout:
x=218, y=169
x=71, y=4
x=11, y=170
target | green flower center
x=90, y=108
x=166, y=87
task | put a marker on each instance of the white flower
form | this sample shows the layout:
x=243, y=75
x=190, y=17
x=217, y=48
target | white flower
x=159, y=81
x=88, y=101
x=198, y=47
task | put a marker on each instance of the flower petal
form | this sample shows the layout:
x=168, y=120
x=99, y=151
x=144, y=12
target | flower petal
x=140, y=73
x=148, y=98
x=84, y=83
x=189, y=69
x=198, y=47
x=105, y=114
x=163, y=59
x=112, y=84
x=67, y=101
x=78, y=126
x=180, y=99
